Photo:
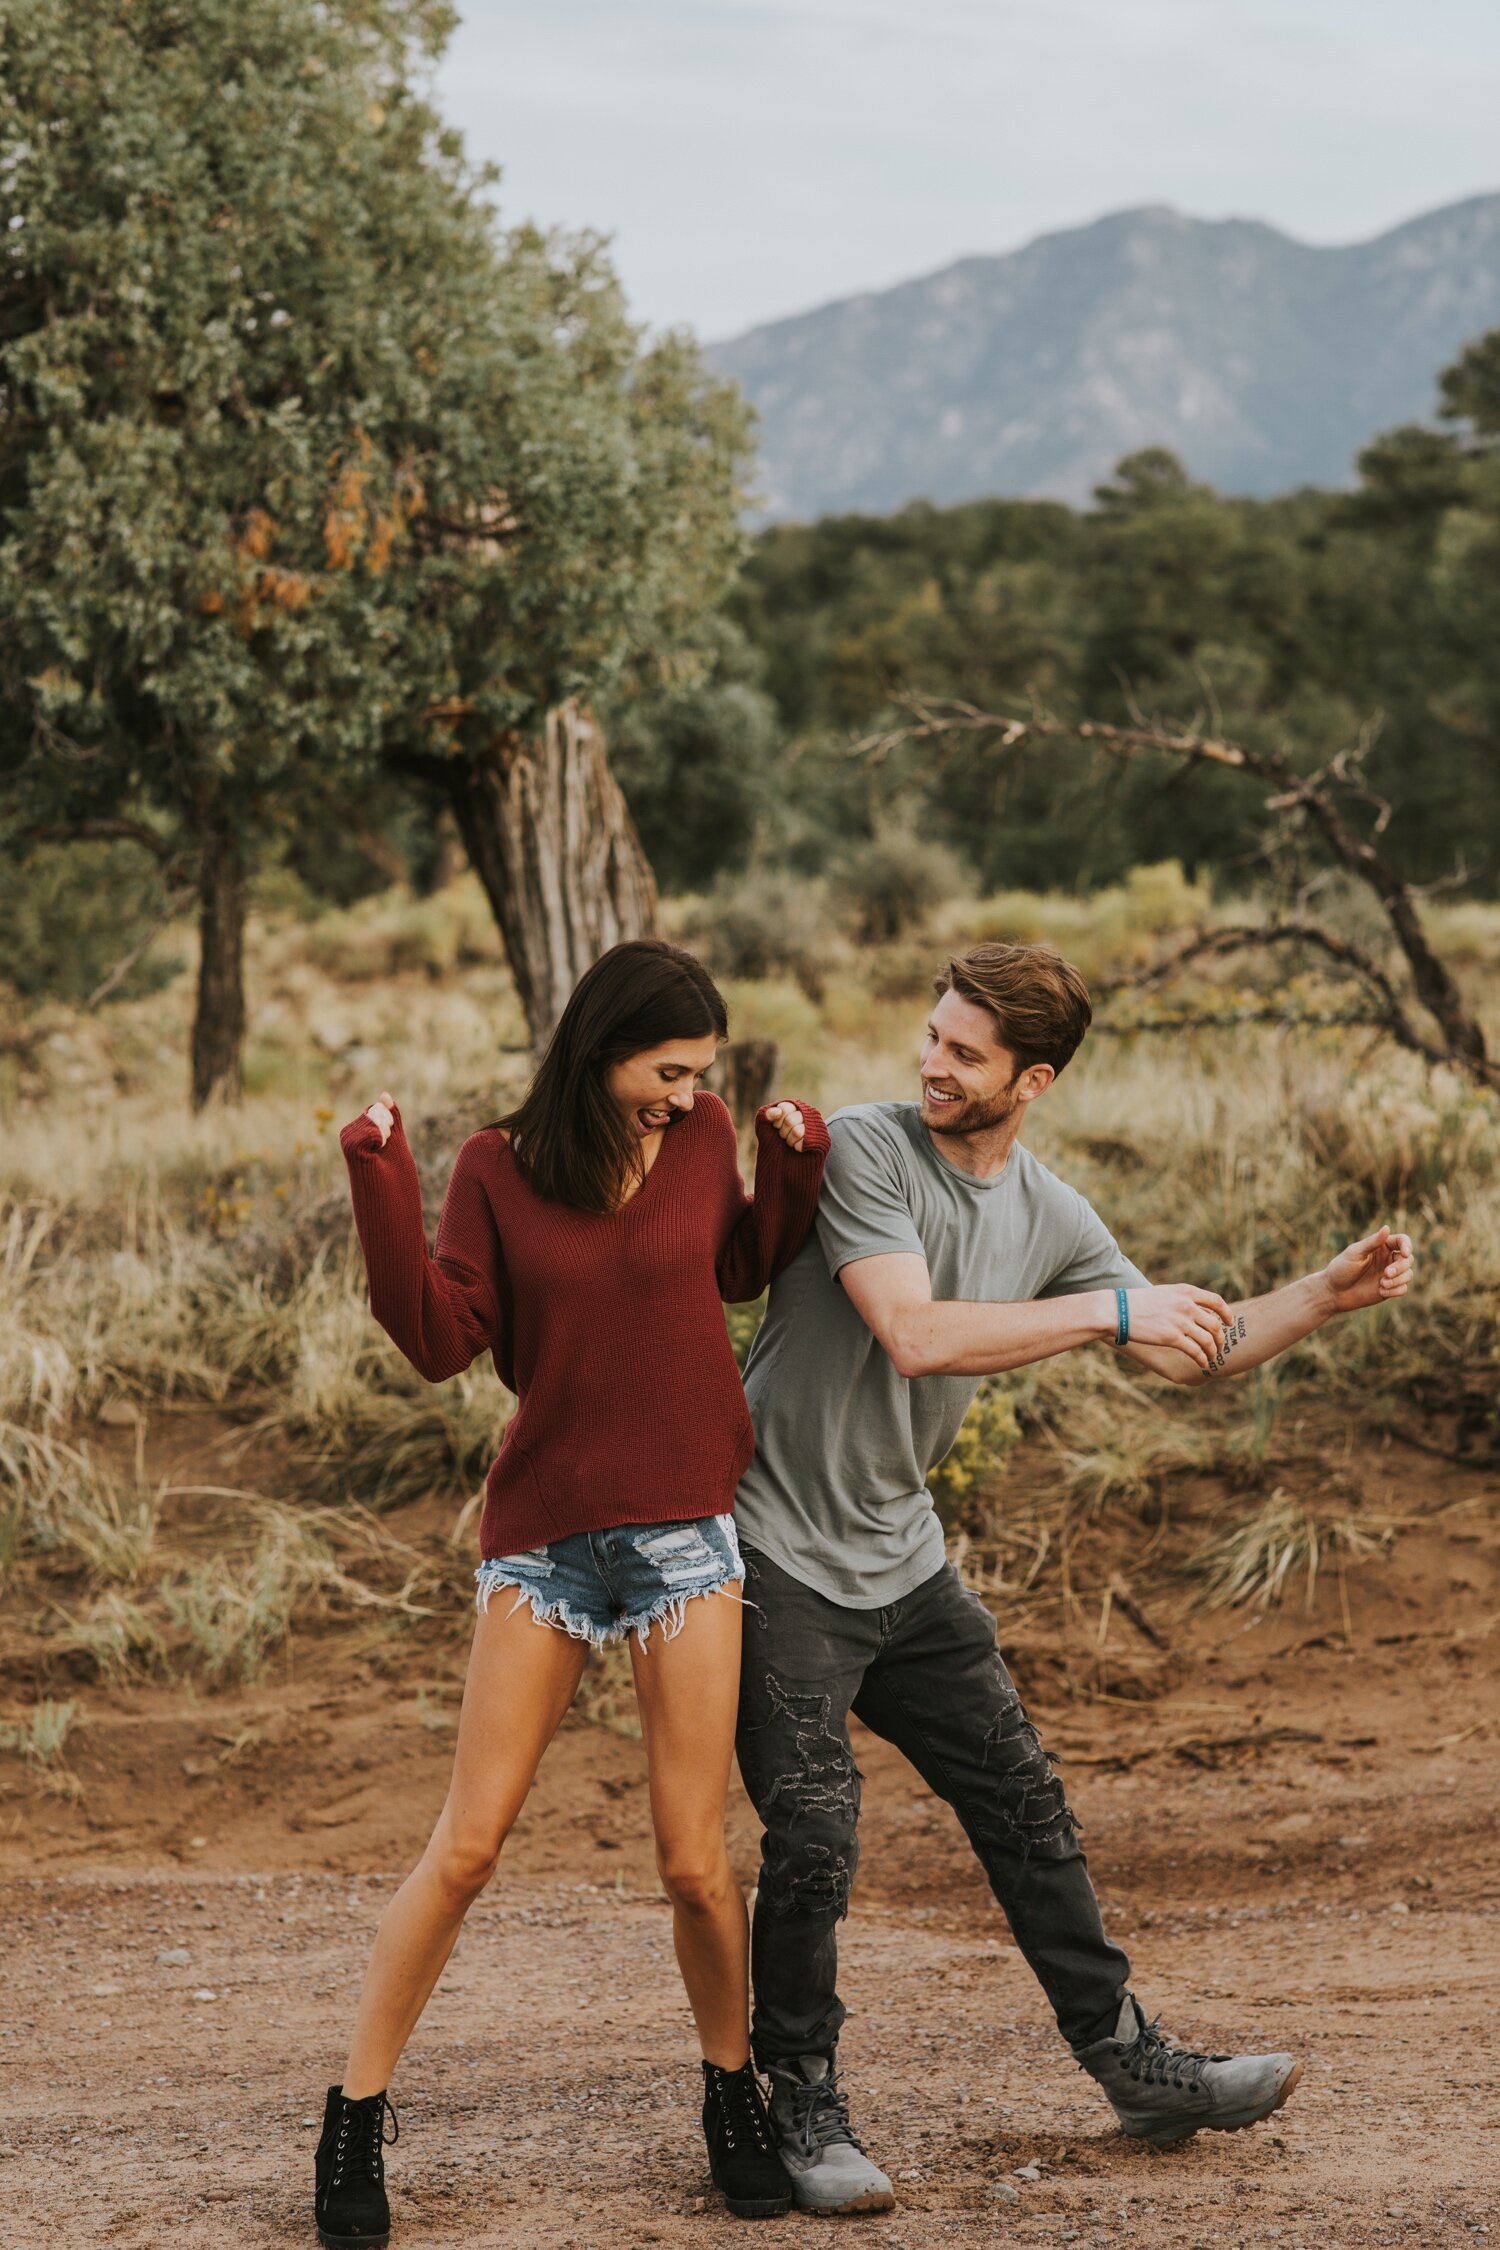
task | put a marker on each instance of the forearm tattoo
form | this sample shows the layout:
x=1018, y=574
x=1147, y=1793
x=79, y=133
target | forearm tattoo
x=1235, y=1334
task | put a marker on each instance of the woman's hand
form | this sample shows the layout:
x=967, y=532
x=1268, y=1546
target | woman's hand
x=787, y=1119
x=383, y=1114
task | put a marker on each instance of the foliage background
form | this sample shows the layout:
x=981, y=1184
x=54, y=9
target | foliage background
x=1288, y=623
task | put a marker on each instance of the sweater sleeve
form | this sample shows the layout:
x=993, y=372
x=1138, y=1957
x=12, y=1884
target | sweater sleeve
x=767, y=1233
x=442, y=1310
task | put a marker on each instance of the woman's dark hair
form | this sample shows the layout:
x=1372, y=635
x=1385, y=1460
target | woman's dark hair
x=568, y=1136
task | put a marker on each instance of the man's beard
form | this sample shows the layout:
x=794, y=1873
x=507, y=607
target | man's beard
x=977, y=1117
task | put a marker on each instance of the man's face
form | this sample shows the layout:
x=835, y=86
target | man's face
x=970, y=1083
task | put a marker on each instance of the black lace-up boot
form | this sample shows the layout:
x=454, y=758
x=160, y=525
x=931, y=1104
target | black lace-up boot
x=747, y=2171
x=350, y=2205
x=1162, y=2092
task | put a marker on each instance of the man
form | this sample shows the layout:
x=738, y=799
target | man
x=945, y=1252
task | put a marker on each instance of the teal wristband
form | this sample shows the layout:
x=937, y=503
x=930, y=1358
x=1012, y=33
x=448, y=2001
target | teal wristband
x=1122, y=1317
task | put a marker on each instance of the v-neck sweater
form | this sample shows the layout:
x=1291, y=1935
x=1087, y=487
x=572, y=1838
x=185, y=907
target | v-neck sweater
x=608, y=1326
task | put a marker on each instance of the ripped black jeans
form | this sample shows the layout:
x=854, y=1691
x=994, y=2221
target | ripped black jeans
x=927, y=1675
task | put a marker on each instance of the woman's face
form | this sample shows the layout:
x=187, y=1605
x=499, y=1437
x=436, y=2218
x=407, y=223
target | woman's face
x=658, y=1085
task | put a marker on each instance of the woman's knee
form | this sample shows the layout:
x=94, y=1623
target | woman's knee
x=463, y=1860
x=698, y=1882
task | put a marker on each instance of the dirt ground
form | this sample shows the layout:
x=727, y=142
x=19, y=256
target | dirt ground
x=1297, y=1840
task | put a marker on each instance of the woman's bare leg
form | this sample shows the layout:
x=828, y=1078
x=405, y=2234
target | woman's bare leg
x=687, y=1689
x=522, y=1677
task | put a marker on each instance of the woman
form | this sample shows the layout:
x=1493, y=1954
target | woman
x=586, y=1242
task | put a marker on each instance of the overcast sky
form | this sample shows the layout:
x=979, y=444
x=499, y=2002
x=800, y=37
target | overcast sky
x=752, y=158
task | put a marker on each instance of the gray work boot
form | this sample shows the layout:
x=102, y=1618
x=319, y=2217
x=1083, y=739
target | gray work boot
x=1161, y=2092
x=816, y=2142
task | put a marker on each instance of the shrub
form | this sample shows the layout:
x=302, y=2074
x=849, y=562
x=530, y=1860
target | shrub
x=118, y=1636
x=69, y=912
x=743, y=1323
x=1100, y=932
x=1283, y=1543
x=1465, y=929
x=395, y=933
x=1400, y=1144
x=764, y=925
x=39, y=1738
x=894, y=882
x=696, y=762
x=340, y=1391
x=976, y=1459
x=231, y=1616
x=781, y=1011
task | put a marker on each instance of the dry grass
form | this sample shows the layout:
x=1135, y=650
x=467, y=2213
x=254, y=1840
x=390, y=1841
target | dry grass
x=40, y=1736
x=39, y=1739
x=1282, y=1545
x=60, y=1502
x=606, y=1693
x=220, y=1618
x=153, y=1261
x=1104, y=934
x=395, y=934
x=118, y=1636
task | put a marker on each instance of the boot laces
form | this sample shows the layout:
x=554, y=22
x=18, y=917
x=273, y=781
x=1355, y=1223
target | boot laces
x=1155, y=2060
x=359, y=2149
x=820, y=2113
x=744, y=2111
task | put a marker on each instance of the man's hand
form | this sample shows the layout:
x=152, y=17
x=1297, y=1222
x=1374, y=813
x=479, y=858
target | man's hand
x=1182, y=1317
x=382, y=1113
x=1371, y=1272
x=787, y=1119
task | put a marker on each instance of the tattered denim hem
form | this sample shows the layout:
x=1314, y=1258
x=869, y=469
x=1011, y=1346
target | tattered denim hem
x=668, y=1611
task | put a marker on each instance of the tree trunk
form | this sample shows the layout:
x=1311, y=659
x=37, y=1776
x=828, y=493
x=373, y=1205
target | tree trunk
x=219, y=1021
x=744, y=1074
x=550, y=837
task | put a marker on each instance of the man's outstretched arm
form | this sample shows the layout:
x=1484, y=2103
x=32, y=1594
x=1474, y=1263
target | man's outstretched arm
x=1182, y=1332
x=892, y=1293
x=1373, y=1272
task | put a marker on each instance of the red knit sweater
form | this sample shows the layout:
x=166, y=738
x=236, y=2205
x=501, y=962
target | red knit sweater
x=606, y=1325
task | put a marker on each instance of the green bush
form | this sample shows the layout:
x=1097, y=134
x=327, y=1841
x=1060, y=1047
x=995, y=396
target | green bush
x=764, y=925
x=894, y=882
x=394, y=934
x=69, y=912
x=1101, y=932
x=695, y=760
x=743, y=1323
x=972, y=1467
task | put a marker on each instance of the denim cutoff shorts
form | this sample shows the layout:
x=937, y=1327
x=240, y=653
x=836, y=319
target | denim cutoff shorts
x=601, y=1586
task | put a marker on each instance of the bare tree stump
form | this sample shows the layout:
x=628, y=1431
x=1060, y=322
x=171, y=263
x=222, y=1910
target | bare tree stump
x=549, y=835
x=744, y=1073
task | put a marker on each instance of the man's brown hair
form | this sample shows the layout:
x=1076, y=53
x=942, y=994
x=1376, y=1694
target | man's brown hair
x=1038, y=1000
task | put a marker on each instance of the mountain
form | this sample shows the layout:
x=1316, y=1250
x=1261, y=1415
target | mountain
x=1263, y=362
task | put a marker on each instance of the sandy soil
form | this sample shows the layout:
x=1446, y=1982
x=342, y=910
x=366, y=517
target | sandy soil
x=1297, y=1840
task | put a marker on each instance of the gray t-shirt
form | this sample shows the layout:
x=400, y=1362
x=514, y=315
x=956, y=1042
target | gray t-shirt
x=837, y=1492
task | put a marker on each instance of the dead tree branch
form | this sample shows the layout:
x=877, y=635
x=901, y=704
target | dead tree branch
x=1238, y=1018
x=107, y=831
x=1384, y=1010
x=932, y=719
x=1243, y=938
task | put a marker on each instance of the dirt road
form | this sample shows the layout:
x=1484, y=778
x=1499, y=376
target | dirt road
x=1298, y=1843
